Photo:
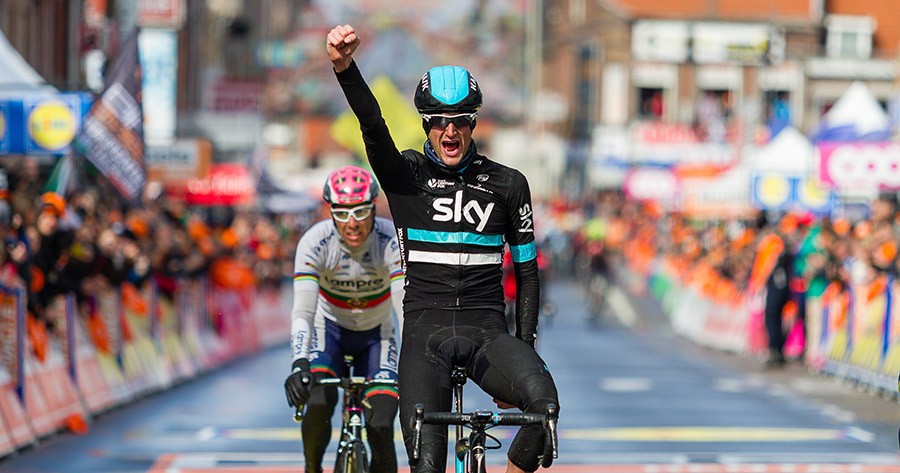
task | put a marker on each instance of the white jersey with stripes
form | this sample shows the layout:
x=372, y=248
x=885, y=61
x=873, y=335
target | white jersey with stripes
x=355, y=288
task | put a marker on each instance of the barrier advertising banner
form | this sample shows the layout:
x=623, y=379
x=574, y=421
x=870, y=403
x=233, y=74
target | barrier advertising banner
x=860, y=165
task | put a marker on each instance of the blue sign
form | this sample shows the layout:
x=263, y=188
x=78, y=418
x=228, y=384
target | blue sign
x=781, y=192
x=4, y=129
x=42, y=124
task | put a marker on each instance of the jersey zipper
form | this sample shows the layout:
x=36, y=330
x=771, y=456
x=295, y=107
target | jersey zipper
x=459, y=228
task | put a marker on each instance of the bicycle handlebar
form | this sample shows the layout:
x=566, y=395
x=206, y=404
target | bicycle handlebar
x=354, y=381
x=344, y=383
x=483, y=420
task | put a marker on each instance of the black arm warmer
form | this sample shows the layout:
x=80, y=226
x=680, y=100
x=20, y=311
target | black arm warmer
x=360, y=97
x=528, y=300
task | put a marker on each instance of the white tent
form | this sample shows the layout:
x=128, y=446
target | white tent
x=789, y=153
x=856, y=114
x=18, y=78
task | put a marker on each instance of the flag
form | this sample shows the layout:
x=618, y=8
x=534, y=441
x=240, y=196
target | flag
x=112, y=137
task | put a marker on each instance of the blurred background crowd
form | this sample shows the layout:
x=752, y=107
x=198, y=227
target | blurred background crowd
x=723, y=138
x=87, y=243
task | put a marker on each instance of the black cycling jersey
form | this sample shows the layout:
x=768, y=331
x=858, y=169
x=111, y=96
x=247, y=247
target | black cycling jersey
x=452, y=226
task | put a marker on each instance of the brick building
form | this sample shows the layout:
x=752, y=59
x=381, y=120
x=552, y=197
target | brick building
x=617, y=62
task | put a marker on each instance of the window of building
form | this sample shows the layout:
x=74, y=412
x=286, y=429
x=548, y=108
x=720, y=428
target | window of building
x=577, y=11
x=714, y=110
x=849, y=36
x=777, y=107
x=650, y=103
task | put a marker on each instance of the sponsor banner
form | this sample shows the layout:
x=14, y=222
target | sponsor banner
x=42, y=124
x=4, y=129
x=161, y=13
x=738, y=43
x=860, y=165
x=12, y=336
x=51, y=123
x=724, y=195
x=159, y=75
x=113, y=136
x=672, y=144
x=231, y=96
x=780, y=192
x=109, y=310
x=226, y=184
x=178, y=162
x=655, y=184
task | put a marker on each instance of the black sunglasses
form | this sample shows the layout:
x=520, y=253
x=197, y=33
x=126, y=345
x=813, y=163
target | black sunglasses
x=443, y=121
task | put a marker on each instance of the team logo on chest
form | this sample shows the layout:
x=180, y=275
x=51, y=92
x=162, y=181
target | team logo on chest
x=453, y=208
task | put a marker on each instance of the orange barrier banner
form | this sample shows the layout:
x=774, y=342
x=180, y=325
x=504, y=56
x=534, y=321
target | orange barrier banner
x=891, y=365
x=17, y=429
x=90, y=380
x=12, y=335
x=115, y=351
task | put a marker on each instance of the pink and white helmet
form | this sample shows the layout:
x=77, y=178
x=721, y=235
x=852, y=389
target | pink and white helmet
x=350, y=185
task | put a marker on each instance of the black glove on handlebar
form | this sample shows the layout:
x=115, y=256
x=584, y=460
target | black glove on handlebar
x=296, y=386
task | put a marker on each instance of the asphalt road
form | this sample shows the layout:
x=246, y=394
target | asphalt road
x=634, y=398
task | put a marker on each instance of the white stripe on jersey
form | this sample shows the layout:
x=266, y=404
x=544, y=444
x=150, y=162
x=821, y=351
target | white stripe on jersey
x=455, y=259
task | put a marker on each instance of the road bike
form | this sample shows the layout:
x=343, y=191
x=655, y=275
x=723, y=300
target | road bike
x=471, y=450
x=352, y=455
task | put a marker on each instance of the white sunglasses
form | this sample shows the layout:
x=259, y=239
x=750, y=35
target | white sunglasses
x=358, y=213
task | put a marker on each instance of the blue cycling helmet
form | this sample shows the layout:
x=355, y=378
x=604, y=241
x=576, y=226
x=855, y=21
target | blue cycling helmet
x=447, y=89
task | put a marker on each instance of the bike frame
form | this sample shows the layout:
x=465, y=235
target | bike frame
x=470, y=451
x=353, y=418
x=352, y=415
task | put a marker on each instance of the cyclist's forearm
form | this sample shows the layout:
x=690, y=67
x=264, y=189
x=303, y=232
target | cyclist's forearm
x=302, y=316
x=397, y=292
x=528, y=300
x=381, y=151
x=360, y=97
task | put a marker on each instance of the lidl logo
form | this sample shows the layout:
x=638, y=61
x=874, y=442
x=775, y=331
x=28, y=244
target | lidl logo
x=2, y=125
x=52, y=125
x=774, y=191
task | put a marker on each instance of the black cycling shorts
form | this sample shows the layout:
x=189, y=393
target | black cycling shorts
x=506, y=368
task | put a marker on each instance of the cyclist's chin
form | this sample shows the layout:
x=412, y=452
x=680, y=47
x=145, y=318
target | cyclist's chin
x=354, y=241
x=451, y=161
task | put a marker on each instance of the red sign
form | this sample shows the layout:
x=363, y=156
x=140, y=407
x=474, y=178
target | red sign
x=161, y=13
x=226, y=184
x=236, y=96
x=668, y=133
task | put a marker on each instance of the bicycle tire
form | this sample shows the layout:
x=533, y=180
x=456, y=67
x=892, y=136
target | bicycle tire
x=354, y=459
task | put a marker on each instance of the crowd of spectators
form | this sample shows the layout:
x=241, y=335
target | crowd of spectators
x=86, y=240
x=731, y=257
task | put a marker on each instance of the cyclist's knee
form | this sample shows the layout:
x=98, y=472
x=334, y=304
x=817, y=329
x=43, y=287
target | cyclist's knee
x=539, y=391
x=322, y=398
x=381, y=416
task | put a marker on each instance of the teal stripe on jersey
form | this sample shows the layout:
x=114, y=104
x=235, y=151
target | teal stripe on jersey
x=454, y=237
x=526, y=252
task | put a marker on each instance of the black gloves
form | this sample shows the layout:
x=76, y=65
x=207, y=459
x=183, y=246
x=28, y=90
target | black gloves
x=296, y=386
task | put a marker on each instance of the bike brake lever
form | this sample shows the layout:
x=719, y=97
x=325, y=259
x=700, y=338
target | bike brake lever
x=298, y=414
x=417, y=431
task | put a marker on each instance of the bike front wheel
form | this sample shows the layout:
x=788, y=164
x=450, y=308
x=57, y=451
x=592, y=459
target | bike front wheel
x=353, y=459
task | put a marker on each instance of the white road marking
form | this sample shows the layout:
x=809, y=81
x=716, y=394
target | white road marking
x=624, y=385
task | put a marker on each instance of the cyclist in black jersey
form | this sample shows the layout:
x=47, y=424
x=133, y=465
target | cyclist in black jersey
x=454, y=210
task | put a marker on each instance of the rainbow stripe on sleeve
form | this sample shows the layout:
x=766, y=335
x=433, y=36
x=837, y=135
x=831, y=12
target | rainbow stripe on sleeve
x=300, y=276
